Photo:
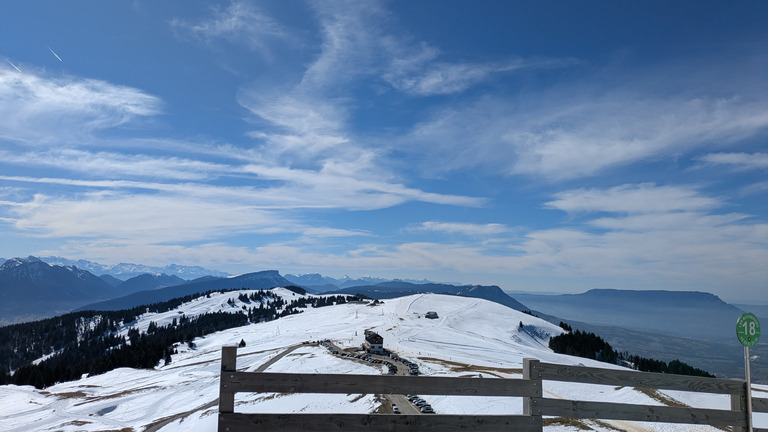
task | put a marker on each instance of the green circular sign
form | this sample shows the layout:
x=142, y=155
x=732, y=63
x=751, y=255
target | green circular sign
x=748, y=329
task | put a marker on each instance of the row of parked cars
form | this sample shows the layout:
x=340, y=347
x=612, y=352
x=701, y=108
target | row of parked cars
x=418, y=402
x=391, y=368
x=421, y=404
x=414, y=368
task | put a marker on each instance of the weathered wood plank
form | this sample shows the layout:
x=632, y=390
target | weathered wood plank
x=375, y=422
x=663, y=414
x=759, y=405
x=530, y=404
x=630, y=378
x=739, y=404
x=228, y=364
x=376, y=384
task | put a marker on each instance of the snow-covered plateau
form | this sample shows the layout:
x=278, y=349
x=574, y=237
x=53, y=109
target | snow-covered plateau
x=471, y=337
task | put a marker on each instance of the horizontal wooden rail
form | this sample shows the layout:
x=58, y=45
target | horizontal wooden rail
x=529, y=388
x=375, y=422
x=630, y=378
x=645, y=413
x=759, y=405
x=236, y=382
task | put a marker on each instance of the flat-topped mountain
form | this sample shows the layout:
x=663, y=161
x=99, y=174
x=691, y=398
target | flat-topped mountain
x=679, y=313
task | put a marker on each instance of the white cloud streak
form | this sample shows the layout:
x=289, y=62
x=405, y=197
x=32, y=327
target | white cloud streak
x=464, y=228
x=738, y=161
x=633, y=199
x=241, y=22
x=122, y=165
x=590, y=126
x=35, y=109
x=424, y=76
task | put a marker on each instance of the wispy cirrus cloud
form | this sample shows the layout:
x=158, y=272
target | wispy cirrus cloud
x=118, y=165
x=35, y=108
x=241, y=22
x=464, y=228
x=601, y=119
x=738, y=161
x=141, y=218
x=633, y=199
x=426, y=76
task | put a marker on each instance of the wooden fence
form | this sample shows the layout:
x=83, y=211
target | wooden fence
x=529, y=388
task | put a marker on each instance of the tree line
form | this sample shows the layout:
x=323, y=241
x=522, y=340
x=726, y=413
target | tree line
x=91, y=342
x=592, y=346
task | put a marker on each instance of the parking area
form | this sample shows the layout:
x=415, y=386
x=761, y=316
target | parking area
x=396, y=365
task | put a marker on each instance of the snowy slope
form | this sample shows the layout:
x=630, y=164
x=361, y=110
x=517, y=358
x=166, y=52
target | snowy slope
x=468, y=332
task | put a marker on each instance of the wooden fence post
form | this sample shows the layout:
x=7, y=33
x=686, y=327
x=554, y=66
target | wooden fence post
x=531, y=405
x=228, y=364
x=739, y=403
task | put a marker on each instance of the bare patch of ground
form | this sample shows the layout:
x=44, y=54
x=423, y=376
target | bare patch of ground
x=464, y=367
x=564, y=421
x=71, y=395
x=77, y=423
x=660, y=397
x=116, y=395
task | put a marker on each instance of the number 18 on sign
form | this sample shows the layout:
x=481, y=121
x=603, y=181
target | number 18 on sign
x=748, y=332
x=748, y=329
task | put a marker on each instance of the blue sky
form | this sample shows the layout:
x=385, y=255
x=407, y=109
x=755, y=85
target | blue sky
x=539, y=146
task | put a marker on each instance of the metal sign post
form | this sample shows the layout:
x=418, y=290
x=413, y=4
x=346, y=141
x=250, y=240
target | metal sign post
x=748, y=332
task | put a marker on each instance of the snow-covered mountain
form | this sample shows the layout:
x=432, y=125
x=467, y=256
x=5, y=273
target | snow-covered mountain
x=471, y=337
x=265, y=279
x=320, y=283
x=31, y=288
x=125, y=271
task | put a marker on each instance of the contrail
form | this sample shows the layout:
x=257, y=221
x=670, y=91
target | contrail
x=14, y=66
x=57, y=56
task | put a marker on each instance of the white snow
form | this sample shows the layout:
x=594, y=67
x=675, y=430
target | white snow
x=469, y=331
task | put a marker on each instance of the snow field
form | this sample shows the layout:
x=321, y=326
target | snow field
x=471, y=337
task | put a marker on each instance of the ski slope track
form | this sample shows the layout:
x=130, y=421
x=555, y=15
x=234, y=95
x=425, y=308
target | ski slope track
x=471, y=337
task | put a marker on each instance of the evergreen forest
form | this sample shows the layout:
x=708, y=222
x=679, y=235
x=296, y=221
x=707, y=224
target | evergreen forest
x=95, y=342
x=592, y=346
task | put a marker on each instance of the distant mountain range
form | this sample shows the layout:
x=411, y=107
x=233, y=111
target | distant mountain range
x=147, y=282
x=31, y=288
x=393, y=289
x=125, y=271
x=678, y=313
x=259, y=280
x=317, y=283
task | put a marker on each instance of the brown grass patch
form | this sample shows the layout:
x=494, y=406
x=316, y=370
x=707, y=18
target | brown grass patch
x=310, y=355
x=71, y=395
x=566, y=421
x=116, y=395
x=77, y=423
x=661, y=398
x=464, y=367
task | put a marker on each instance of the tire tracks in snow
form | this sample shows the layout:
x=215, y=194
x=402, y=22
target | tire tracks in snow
x=158, y=425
